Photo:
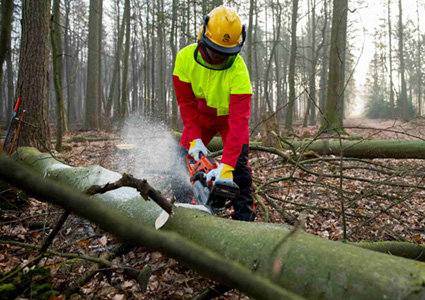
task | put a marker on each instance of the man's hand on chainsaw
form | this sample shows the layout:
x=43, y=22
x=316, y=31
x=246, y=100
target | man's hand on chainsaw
x=223, y=174
x=197, y=148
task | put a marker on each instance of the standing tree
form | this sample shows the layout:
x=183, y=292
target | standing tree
x=390, y=34
x=332, y=121
x=124, y=90
x=92, y=97
x=419, y=61
x=6, y=29
x=173, y=41
x=403, y=111
x=57, y=58
x=33, y=75
x=114, y=87
x=291, y=75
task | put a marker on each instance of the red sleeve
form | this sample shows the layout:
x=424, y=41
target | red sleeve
x=239, y=111
x=188, y=108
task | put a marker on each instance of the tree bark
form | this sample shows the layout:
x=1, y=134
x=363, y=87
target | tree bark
x=403, y=109
x=332, y=121
x=390, y=55
x=124, y=89
x=57, y=58
x=113, y=91
x=33, y=75
x=92, y=97
x=69, y=67
x=305, y=264
x=291, y=75
x=173, y=45
x=419, y=61
x=5, y=36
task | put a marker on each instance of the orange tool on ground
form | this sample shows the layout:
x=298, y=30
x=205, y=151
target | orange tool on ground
x=15, y=111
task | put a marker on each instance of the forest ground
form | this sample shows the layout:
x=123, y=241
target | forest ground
x=374, y=212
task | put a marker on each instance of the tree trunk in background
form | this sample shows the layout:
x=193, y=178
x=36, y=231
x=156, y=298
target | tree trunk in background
x=5, y=37
x=92, y=97
x=291, y=75
x=153, y=103
x=161, y=61
x=332, y=121
x=114, y=88
x=147, y=56
x=419, y=61
x=33, y=75
x=270, y=62
x=325, y=65
x=256, y=98
x=173, y=41
x=126, y=57
x=390, y=53
x=403, y=107
x=99, y=64
x=313, y=62
x=10, y=86
x=57, y=58
x=69, y=67
x=342, y=51
x=249, y=37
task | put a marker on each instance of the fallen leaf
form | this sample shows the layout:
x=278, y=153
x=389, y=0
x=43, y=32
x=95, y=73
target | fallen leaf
x=103, y=240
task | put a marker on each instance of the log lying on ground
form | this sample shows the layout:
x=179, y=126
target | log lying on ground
x=403, y=249
x=132, y=231
x=364, y=148
x=302, y=263
x=358, y=148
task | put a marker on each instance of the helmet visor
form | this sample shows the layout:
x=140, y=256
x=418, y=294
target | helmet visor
x=212, y=59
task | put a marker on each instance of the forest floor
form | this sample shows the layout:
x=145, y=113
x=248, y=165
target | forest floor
x=373, y=209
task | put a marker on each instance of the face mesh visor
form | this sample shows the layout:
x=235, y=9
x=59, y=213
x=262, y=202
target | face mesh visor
x=204, y=59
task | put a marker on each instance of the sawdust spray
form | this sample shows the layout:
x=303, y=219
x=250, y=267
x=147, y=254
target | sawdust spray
x=154, y=157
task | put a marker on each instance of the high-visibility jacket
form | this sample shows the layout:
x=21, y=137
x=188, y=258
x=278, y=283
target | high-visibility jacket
x=218, y=100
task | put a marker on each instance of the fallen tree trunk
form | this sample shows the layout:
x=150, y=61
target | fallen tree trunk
x=302, y=263
x=357, y=148
x=132, y=231
x=364, y=148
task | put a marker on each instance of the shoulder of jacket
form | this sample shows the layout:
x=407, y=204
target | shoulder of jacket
x=187, y=50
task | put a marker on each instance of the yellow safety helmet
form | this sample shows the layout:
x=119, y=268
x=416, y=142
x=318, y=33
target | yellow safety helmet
x=222, y=32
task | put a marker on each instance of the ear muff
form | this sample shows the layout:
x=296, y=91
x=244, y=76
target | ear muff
x=243, y=35
x=204, y=29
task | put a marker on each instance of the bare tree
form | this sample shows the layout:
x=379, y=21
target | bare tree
x=332, y=121
x=402, y=101
x=92, y=97
x=390, y=34
x=6, y=29
x=419, y=61
x=291, y=75
x=124, y=89
x=57, y=58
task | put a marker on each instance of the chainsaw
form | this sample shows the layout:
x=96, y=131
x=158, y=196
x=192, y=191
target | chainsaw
x=215, y=197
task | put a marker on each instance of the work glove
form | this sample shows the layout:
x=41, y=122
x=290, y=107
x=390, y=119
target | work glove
x=197, y=148
x=223, y=175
